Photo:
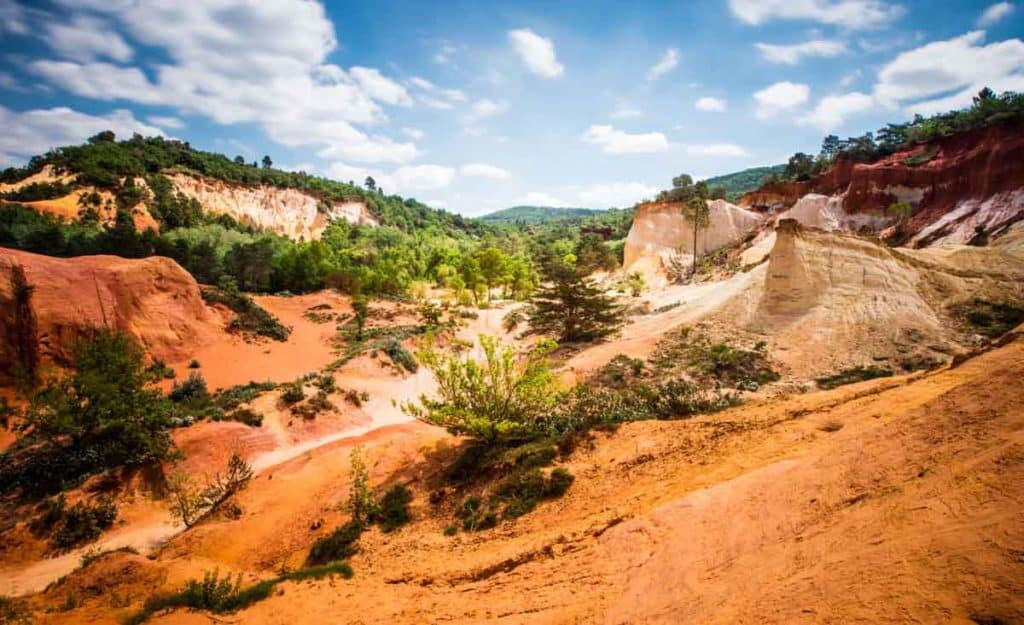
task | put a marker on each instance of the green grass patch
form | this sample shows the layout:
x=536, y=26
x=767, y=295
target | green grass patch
x=850, y=376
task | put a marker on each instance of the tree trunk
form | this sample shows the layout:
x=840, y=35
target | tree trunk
x=693, y=271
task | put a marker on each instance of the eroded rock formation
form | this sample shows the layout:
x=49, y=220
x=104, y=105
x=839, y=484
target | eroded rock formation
x=290, y=212
x=154, y=300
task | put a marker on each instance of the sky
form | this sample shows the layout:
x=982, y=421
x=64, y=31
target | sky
x=476, y=106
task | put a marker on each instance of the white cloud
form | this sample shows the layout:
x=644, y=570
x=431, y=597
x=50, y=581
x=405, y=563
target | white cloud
x=86, y=38
x=666, y=64
x=13, y=19
x=379, y=87
x=413, y=133
x=484, y=108
x=921, y=79
x=845, y=13
x=780, y=97
x=994, y=14
x=422, y=177
x=831, y=111
x=165, y=121
x=31, y=132
x=482, y=170
x=439, y=97
x=614, y=141
x=538, y=53
x=708, y=104
x=540, y=198
x=236, y=61
x=614, y=194
x=625, y=111
x=717, y=149
x=444, y=52
x=850, y=78
x=794, y=53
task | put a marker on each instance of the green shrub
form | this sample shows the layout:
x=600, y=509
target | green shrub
x=393, y=511
x=990, y=318
x=292, y=393
x=14, y=611
x=232, y=397
x=850, y=376
x=193, y=388
x=247, y=416
x=340, y=544
x=400, y=355
x=81, y=523
x=250, y=317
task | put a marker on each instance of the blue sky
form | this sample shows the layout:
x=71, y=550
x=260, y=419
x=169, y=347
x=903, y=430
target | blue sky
x=475, y=106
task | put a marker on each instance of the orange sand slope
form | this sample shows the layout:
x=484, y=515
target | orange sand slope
x=890, y=501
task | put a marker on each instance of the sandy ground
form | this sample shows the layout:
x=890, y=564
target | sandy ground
x=890, y=501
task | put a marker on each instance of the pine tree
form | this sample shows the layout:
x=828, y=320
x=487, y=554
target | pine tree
x=572, y=307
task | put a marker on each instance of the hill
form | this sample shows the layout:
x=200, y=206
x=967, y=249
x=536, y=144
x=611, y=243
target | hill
x=538, y=214
x=740, y=182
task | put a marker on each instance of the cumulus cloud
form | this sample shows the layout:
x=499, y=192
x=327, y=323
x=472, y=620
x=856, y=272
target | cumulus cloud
x=623, y=110
x=614, y=141
x=708, y=104
x=422, y=177
x=920, y=78
x=444, y=52
x=435, y=96
x=536, y=52
x=994, y=14
x=845, y=13
x=780, y=97
x=540, y=198
x=482, y=170
x=484, y=108
x=413, y=133
x=31, y=132
x=614, y=194
x=666, y=64
x=87, y=38
x=831, y=111
x=165, y=121
x=379, y=87
x=241, y=62
x=717, y=149
x=793, y=53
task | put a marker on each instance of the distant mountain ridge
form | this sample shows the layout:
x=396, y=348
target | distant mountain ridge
x=537, y=214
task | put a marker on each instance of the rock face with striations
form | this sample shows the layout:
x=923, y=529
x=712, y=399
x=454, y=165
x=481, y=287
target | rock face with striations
x=659, y=231
x=290, y=212
x=960, y=187
x=153, y=300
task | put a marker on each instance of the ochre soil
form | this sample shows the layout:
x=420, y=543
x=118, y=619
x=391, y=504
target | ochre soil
x=891, y=501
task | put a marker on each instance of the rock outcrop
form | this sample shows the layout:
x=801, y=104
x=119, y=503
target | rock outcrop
x=660, y=231
x=290, y=212
x=961, y=187
x=153, y=300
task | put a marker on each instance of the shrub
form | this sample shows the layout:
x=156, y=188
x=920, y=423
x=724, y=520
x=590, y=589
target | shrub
x=522, y=491
x=193, y=364
x=850, y=376
x=394, y=508
x=247, y=416
x=991, y=319
x=293, y=393
x=400, y=355
x=14, y=611
x=232, y=397
x=102, y=415
x=338, y=545
x=78, y=524
x=360, y=504
x=499, y=400
x=193, y=388
x=190, y=504
x=251, y=318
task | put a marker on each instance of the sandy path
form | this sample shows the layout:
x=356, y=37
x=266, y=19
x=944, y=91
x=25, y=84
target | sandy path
x=639, y=338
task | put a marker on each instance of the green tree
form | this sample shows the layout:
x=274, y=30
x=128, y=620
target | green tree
x=698, y=213
x=360, y=311
x=267, y=163
x=493, y=265
x=496, y=401
x=572, y=307
x=799, y=166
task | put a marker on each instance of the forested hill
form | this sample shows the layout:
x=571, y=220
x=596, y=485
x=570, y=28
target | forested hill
x=104, y=163
x=738, y=183
x=538, y=214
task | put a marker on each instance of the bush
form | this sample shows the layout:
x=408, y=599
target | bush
x=79, y=524
x=991, y=319
x=340, y=544
x=400, y=355
x=193, y=388
x=850, y=376
x=247, y=416
x=250, y=317
x=102, y=415
x=522, y=491
x=293, y=393
x=394, y=508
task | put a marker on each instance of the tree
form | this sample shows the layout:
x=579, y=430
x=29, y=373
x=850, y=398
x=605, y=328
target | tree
x=106, y=136
x=697, y=212
x=799, y=166
x=361, y=504
x=493, y=265
x=239, y=160
x=496, y=401
x=104, y=414
x=267, y=163
x=830, y=147
x=370, y=183
x=572, y=307
x=360, y=310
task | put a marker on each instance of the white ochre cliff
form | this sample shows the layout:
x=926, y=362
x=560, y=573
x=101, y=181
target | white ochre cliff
x=290, y=212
